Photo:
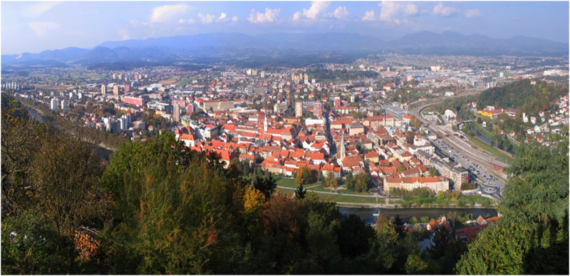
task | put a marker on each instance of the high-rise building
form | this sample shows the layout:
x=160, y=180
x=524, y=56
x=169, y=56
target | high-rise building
x=120, y=76
x=126, y=88
x=114, y=76
x=299, y=109
x=116, y=90
x=54, y=104
x=64, y=105
x=103, y=89
x=263, y=74
x=191, y=108
x=176, y=113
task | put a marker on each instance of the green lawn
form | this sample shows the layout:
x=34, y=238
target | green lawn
x=339, y=198
x=286, y=182
x=482, y=130
x=490, y=149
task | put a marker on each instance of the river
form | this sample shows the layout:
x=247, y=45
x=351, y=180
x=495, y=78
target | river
x=406, y=214
x=480, y=135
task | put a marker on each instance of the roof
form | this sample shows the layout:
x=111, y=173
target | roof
x=410, y=180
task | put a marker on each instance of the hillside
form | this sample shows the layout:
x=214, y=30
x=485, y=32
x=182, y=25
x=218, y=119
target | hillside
x=523, y=95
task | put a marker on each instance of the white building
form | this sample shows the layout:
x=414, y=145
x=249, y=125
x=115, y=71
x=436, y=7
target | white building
x=64, y=105
x=54, y=104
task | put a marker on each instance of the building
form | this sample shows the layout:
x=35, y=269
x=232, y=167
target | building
x=54, y=104
x=217, y=105
x=299, y=109
x=126, y=88
x=176, y=113
x=115, y=90
x=280, y=107
x=64, y=105
x=134, y=101
x=380, y=121
x=103, y=89
x=318, y=109
x=434, y=184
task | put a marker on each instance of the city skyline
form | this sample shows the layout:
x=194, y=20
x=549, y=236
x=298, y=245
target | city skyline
x=39, y=26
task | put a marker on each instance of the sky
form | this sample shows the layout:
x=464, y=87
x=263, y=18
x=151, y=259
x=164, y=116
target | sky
x=37, y=26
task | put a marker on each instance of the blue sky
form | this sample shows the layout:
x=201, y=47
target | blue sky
x=37, y=26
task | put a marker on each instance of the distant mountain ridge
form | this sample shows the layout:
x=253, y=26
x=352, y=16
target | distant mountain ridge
x=238, y=45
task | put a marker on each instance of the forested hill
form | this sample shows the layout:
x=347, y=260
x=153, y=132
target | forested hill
x=523, y=95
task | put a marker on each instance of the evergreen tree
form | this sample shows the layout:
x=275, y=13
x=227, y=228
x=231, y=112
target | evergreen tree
x=300, y=192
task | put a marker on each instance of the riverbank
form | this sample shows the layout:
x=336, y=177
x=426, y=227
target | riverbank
x=367, y=214
x=368, y=201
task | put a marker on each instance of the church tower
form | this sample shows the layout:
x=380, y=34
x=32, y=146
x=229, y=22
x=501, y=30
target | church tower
x=265, y=124
x=342, y=148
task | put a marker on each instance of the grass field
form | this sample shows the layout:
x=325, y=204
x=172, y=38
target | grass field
x=493, y=151
x=482, y=131
x=339, y=198
x=47, y=87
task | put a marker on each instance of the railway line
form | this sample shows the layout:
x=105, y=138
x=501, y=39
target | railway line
x=484, y=160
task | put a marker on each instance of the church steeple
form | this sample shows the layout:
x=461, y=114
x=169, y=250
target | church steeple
x=342, y=148
x=265, y=124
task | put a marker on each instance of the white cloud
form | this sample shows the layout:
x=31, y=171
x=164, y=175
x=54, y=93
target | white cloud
x=369, y=16
x=235, y=19
x=475, y=13
x=392, y=11
x=43, y=28
x=222, y=16
x=388, y=10
x=441, y=10
x=39, y=8
x=270, y=15
x=341, y=13
x=206, y=19
x=189, y=21
x=167, y=12
x=317, y=7
x=296, y=16
x=124, y=34
x=411, y=9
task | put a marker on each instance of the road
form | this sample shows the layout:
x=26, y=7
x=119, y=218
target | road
x=464, y=154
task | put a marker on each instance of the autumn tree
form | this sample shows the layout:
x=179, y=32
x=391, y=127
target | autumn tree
x=65, y=177
x=20, y=142
x=532, y=235
x=303, y=176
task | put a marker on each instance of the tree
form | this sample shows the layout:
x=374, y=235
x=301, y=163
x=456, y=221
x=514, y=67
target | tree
x=349, y=181
x=331, y=181
x=401, y=168
x=66, y=184
x=446, y=250
x=300, y=192
x=413, y=220
x=32, y=245
x=20, y=142
x=433, y=172
x=440, y=195
x=535, y=218
x=265, y=183
x=410, y=137
x=303, y=176
x=174, y=209
x=363, y=182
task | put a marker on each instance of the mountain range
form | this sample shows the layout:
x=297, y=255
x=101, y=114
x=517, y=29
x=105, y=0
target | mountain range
x=240, y=46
